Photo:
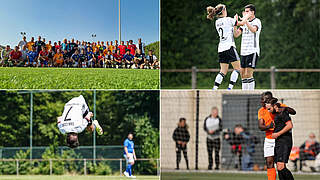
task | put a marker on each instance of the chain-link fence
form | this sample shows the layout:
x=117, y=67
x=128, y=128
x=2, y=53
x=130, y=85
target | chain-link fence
x=235, y=108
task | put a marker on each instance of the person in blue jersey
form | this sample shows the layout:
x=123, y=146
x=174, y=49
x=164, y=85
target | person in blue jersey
x=91, y=58
x=129, y=155
x=32, y=58
x=128, y=59
x=75, y=59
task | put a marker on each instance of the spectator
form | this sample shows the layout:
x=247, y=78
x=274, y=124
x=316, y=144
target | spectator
x=43, y=57
x=32, y=58
x=5, y=53
x=181, y=136
x=15, y=57
x=22, y=43
x=122, y=48
x=140, y=46
x=307, y=151
x=139, y=59
x=39, y=44
x=213, y=126
x=132, y=47
x=30, y=44
x=151, y=61
x=58, y=59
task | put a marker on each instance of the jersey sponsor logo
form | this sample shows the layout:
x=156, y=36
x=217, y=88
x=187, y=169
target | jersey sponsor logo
x=67, y=124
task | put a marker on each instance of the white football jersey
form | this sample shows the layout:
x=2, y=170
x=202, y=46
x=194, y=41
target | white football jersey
x=72, y=119
x=250, y=40
x=224, y=27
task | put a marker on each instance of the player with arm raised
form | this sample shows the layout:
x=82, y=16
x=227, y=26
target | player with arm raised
x=129, y=154
x=283, y=137
x=226, y=48
x=266, y=123
x=250, y=28
x=76, y=118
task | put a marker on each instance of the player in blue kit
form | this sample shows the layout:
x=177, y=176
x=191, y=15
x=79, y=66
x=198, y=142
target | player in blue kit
x=32, y=57
x=130, y=155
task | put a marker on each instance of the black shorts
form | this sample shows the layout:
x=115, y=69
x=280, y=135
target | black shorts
x=282, y=150
x=249, y=61
x=228, y=56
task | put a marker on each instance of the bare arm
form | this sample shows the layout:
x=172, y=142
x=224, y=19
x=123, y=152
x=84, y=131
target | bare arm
x=287, y=128
x=253, y=28
x=262, y=125
x=134, y=155
x=236, y=32
x=291, y=110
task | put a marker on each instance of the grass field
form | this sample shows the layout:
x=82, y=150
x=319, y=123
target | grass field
x=39, y=177
x=226, y=176
x=78, y=78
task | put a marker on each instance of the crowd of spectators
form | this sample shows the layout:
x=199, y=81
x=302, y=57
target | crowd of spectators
x=78, y=54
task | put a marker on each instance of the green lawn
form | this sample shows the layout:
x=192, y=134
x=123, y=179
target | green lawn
x=226, y=176
x=78, y=78
x=39, y=177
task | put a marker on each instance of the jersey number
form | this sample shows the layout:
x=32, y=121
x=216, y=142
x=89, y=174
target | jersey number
x=220, y=31
x=69, y=119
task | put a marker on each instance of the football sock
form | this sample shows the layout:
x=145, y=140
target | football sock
x=244, y=84
x=251, y=83
x=129, y=169
x=272, y=174
x=218, y=80
x=233, y=78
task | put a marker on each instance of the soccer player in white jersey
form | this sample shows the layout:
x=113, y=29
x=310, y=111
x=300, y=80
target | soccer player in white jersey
x=226, y=48
x=75, y=118
x=250, y=50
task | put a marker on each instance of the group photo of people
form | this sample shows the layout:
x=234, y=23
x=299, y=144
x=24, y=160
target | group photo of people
x=79, y=54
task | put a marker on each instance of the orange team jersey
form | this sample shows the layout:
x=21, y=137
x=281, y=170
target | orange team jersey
x=48, y=46
x=29, y=45
x=105, y=52
x=111, y=48
x=94, y=49
x=58, y=58
x=268, y=117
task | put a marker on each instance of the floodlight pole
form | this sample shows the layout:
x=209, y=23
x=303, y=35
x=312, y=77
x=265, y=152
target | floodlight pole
x=31, y=111
x=94, y=131
x=119, y=21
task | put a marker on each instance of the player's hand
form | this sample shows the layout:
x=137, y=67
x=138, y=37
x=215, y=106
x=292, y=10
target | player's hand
x=275, y=135
x=235, y=17
x=211, y=132
x=271, y=125
x=226, y=136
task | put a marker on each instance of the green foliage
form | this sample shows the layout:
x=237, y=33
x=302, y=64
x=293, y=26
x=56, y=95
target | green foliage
x=288, y=40
x=101, y=168
x=75, y=78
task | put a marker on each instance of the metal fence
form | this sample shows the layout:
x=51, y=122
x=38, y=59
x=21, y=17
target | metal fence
x=273, y=70
x=78, y=166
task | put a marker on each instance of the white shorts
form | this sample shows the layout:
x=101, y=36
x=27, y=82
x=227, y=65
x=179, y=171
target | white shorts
x=268, y=147
x=130, y=159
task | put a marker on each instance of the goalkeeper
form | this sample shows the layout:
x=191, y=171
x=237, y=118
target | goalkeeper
x=75, y=118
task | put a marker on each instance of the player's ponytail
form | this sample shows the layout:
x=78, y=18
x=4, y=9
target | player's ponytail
x=213, y=11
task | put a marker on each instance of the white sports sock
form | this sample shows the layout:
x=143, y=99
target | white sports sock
x=233, y=78
x=218, y=80
x=244, y=84
x=251, y=83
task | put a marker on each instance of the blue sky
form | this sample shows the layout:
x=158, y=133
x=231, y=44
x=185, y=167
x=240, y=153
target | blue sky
x=78, y=19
